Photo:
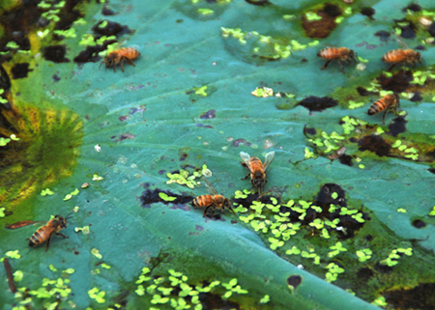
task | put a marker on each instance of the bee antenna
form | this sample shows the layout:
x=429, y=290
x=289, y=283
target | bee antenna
x=68, y=215
x=100, y=65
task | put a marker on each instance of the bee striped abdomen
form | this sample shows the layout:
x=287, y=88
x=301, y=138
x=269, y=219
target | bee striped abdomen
x=128, y=52
x=377, y=107
x=328, y=53
x=38, y=237
x=203, y=201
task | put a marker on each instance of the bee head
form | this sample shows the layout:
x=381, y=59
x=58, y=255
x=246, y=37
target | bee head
x=258, y=179
x=61, y=220
x=352, y=55
x=228, y=204
x=109, y=60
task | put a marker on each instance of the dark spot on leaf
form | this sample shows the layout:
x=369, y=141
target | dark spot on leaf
x=368, y=11
x=383, y=268
x=419, y=297
x=322, y=28
x=123, y=118
x=211, y=301
x=420, y=48
x=258, y=2
x=398, y=82
x=106, y=11
x=418, y=224
x=76, y=252
x=208, y=114
x=367, y=45
x=124, y=136
x=304, y=60
x=364, y=274
x=183, y=156
x=233, y=221
x=363, y=91
x=205, y=126
x=110, y=29
x=324, y=197
x=313, y=103
x=56, y=78
x=162, y=172
x=20, y=71
x=346, y=160
x=5, y=82
x=353, y=140
x=431, y=170
x=412, y=7
x=309, y=131
x=239, y=141
x=417, y=97
x=375, y=144
x=369, y=238
x=149, y=197
x=294, y=281
x=90, y=54
x=55, y=53
x=397, y=126
x=200, y=228
x=431, y=30
x=407, y=32
x=140, y=109
x=383, y=35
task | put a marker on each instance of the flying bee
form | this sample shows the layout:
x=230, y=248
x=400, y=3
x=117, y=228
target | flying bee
x=339, y=53
x=119, y=56
x=402, y=56
x=388, y=102
x=214, y=201
x=257, y=170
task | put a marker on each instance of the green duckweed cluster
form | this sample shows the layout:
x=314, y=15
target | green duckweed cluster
x=189, y=179
x=175, y=290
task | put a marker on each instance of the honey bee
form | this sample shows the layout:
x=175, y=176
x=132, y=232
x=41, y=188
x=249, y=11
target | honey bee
x=119, y=56
x=388, y=102
x=212, y=201
x=402, y=56
x=45, y=232
x=339, y=53
x=257, y=170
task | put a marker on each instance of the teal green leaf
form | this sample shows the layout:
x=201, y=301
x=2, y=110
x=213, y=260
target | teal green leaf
x=214, y=78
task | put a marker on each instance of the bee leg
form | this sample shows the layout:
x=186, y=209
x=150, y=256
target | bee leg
x=114, y=68
x=59, y=234
x=341, y=66
x=326, y=64
x=48, y=243
x=392, y=66
x=246, y=176
x=122, y=65
x=383, y=116
x=130, y=62
x=205, y=211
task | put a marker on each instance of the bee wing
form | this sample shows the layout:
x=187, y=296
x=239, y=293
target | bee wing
x=268, y=159
x=22, y=224
x=209, y=186
x=401, y=42
x=246, y=157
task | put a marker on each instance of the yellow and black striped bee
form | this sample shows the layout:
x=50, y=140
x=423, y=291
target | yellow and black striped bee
x=214, y=201
x=339, y=53
x=44, y=233
x=257, y=170
x=402, y=56
x=119, y=56
x=388, y=102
